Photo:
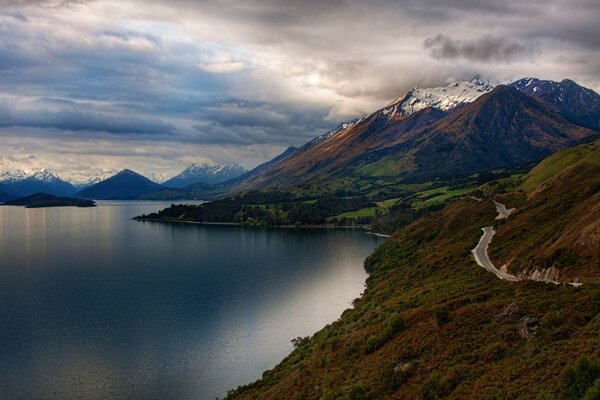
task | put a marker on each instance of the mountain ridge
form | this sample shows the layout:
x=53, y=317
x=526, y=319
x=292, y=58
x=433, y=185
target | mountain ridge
x=206, y=174
x=126, y=184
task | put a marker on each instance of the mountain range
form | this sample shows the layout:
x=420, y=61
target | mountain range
x=467, y=130
x=206, y=174
x=456, y=131
x=19, y=184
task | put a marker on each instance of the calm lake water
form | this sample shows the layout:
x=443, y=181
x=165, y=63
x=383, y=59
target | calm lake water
x=96, y=306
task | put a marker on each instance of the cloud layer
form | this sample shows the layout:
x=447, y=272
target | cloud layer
x=156, y=85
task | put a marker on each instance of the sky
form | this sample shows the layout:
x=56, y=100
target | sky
x=90, y=85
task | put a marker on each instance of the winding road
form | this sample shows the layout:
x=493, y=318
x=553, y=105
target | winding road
x=502, y=211
x=480, y=252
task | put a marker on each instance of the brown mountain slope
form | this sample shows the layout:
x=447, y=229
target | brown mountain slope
x=309, y=162
x=503, y=128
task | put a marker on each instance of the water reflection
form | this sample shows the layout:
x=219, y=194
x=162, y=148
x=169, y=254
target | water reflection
x=94, y=305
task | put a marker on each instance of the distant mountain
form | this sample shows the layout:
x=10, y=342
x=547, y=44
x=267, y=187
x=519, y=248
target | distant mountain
x=126, y=184
x=6, y=197
x=97, y=178
x=205, y=173
x=577, y=103
x=21, y=184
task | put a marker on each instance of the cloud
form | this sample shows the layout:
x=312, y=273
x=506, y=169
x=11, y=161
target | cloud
x=184, y=80
x=68, y=115
x=485, y=49
x=222, y=67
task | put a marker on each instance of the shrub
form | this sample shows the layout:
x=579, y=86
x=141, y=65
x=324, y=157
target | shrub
x=396, y=324
x=575, y=380
x=432, y=388
x=596, y=303
x=372, y=343
x=593, y=393
x=544, y=396
x=300, y=341
x=441, y=315
x=331, y=396
x=357, y=392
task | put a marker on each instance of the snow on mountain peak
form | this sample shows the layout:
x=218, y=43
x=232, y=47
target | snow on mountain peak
x=211, y=169
x=443, y=98
x=11, y=176
x=45, y=175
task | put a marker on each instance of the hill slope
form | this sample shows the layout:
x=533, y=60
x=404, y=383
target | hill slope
x=432, y=324
x=126, y=184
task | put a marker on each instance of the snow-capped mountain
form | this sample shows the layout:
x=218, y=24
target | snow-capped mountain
x=100, y=176
x=11, y=176
x=442, y=98
x=577, y=103
x=19, y=183
x=45, y=175
x=159, y=177
x=205, y=173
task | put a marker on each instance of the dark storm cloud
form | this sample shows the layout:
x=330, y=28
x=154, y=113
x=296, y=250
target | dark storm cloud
x=485, y=49
x=71, y=116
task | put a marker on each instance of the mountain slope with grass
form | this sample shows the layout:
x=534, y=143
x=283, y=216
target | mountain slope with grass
x=432, y=324
x=555, y=230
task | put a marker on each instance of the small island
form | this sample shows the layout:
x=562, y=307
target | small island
x=40, y=200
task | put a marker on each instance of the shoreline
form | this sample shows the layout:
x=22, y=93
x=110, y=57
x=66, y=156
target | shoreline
x=366, y=228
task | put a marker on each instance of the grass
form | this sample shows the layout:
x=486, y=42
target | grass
x=439, y=196
x=382, y=206
x=557, y=163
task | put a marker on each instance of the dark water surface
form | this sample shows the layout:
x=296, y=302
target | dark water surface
x=96, y=306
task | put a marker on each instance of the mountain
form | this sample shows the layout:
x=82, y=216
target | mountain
x=577, y=103
x=98, y=177
x=433, y=324
x=6, y=196
x=443, y=98
x=126, y=184
x=503, y=128
x=205, y=173
x=21, y=184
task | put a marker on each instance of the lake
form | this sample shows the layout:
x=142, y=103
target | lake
x=94, y=305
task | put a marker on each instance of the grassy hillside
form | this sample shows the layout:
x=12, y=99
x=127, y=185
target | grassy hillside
x=557, y=220
x=432, y=324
